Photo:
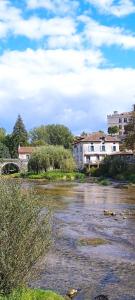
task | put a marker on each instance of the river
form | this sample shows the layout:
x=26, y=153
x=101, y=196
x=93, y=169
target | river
x=91, y=251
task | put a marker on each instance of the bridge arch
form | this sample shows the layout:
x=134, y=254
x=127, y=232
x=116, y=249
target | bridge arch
x=10, y=168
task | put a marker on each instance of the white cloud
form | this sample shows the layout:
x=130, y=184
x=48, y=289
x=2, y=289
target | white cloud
x=122, y=8
x=55, y=6
x=99, y=35
x=12, y=22
x=62, y=86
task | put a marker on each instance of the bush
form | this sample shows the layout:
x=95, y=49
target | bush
x=30, y=294
x=24, y=235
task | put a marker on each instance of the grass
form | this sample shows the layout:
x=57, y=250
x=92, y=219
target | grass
x=53, y=175
x=32, y=294
x=92, y=242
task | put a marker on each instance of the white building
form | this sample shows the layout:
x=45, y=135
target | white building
x=119, y=120
x=24, y=153
x=93, y=148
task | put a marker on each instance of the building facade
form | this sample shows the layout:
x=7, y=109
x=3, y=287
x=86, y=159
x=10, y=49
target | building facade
x=90, y=150
x=24, y=153
x=119, y=120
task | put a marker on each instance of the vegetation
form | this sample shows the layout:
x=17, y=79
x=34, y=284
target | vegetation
x=25, y=235
x=18, y=136
x=51, y=135
x=130, y=133
x=29, y=294
x=55, y=157
x=113, y=130
x=53, y=175
x=4, y=152
x=117, y=168
x=2, y=135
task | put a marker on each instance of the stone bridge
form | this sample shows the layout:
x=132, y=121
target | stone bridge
x=20, y=165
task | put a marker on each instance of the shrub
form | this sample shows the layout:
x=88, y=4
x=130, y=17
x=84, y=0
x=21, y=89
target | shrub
x=24, y=235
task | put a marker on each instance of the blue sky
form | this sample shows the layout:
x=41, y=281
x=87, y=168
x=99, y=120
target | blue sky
x=69, y=62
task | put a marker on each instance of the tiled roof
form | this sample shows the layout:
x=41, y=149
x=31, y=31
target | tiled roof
x=25, y=150
x=97, y=137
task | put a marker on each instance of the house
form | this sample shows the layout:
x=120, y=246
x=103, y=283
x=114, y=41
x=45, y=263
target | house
x=120, y=120
x=24, y=153
x=91, y=149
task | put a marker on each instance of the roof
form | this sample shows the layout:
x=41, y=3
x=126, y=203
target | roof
x=96, y=137
x=25, y=150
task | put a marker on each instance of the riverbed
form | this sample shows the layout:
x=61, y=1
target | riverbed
x=76, y=259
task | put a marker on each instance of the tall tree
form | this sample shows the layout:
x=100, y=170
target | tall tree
x=19, y=136
x=54, y=134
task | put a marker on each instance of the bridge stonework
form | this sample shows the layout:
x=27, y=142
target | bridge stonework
x=22, y=165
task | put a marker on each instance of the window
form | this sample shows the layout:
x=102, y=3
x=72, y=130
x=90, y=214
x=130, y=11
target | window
x=114, y=147
x=103, y=147
x=91, y=148
x=125, y=120
x=120, y=126
x=27, y=156
x=120, y=120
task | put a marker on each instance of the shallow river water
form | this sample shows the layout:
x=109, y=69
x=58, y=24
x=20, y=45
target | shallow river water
x=105, y=268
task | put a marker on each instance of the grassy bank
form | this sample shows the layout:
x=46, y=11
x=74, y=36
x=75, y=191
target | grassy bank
x=54, y=175
x=31, y=294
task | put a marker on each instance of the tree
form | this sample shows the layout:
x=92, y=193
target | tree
x=25, y=235
x=56, y=157
x=2, y=135
x=52, y=135
x=113, y=130
x=130, y=133
x=4, y=151
x=19, y=136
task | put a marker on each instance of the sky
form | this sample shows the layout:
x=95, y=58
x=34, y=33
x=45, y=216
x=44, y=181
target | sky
x=68, y=62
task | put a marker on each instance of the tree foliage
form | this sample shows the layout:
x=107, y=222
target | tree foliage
x=130, y=133
x=24, y=235
x=18, y=136
x=2, y=135
x=113, y=130
x=52, y=135
x=55, y=157
x=4, y=151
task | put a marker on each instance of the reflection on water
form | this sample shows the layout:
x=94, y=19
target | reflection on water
x=107, y=268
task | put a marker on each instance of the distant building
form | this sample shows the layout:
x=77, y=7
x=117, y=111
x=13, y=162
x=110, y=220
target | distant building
x=120, y=120
x=93, y=148
x=24, y=153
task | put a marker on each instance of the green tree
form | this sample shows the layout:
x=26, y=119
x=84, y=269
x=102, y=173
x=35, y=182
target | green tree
x=113, y=130
x=56, y=157
x=2, y=135
x=130, y=133
x=9, y=142
x=52, y=135
x=25, y=235
x=19, y=136
x=4, y=151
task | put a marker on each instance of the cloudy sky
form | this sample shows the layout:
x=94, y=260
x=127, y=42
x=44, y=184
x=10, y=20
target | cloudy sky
x=70, y=62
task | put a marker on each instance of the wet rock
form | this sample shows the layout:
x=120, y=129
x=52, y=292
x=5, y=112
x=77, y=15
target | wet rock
x=101, y=297
x=109, y=213
x=71, y=293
